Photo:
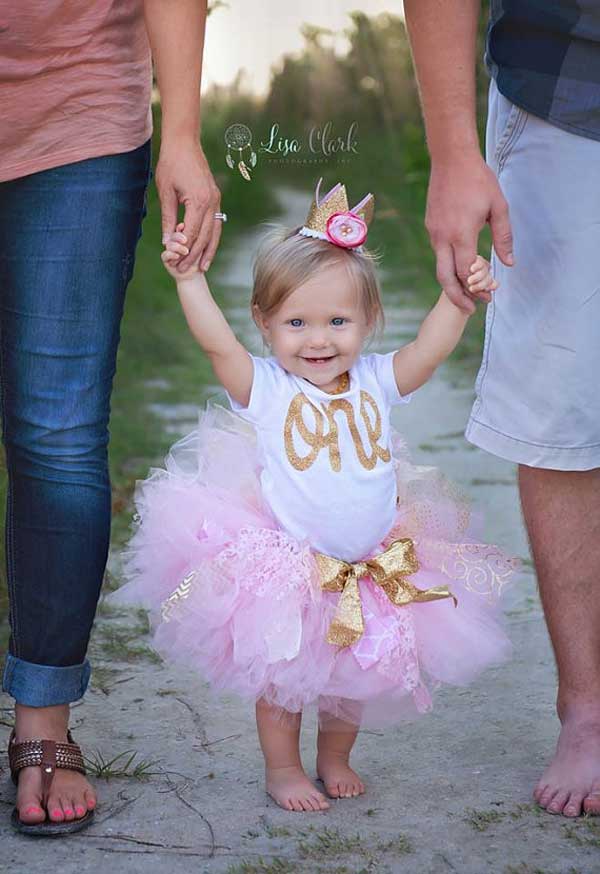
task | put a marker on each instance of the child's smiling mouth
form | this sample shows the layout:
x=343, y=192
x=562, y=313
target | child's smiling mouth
x=315, y=361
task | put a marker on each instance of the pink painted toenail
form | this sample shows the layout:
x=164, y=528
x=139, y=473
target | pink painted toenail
x=33, y=810
x=68, y=812
x=56, y=812
x=79, y=811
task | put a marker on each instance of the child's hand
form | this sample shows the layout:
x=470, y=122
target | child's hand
x=175, y=249
x=480, y=281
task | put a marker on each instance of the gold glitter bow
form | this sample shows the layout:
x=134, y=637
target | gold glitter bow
x=388, y=570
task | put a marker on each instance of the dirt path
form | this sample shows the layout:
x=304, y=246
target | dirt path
x=451, y=793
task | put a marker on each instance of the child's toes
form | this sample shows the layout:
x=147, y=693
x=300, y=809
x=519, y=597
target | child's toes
x=320, y=801
x=308, y=804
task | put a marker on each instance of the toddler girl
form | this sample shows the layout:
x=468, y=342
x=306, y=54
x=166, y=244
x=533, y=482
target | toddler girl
x=290, y=552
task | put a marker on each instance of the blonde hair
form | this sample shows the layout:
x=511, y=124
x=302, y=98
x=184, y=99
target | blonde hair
x=286, y=259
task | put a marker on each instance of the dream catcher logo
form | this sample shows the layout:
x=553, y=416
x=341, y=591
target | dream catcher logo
x=238, y=138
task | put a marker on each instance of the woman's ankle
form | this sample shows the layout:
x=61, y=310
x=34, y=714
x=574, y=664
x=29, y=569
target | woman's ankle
x=49, y=723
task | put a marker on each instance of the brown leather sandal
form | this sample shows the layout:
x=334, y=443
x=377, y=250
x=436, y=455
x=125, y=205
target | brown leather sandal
x=48, y=755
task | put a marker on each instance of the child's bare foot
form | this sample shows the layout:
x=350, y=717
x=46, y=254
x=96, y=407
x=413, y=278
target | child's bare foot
x=292, y=790
x=338, y=777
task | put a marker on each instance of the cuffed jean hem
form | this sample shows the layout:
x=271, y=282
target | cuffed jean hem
x=44, y=685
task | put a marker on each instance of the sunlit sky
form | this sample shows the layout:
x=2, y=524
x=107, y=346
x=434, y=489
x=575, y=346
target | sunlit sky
x=254, y=35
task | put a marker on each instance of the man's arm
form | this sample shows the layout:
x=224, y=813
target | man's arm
x=176, y=32
x=463, y=191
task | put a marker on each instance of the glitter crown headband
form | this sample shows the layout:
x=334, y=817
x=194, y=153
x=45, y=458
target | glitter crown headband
x=330, y=218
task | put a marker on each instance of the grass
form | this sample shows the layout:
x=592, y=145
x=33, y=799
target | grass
x=273, y=866
x=481, y=820
x=323, y=847
x=584, y=832
x=122, y=765
x=330, y=843
x=524, y=868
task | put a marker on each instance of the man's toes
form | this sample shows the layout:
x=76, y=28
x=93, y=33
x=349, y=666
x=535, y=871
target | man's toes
x=538, y=792
x=591, y=803
x=546, y=796
x=573, y=805
x=558, y=802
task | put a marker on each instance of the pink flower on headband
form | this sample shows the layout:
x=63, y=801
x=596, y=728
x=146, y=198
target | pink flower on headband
x=346, y=229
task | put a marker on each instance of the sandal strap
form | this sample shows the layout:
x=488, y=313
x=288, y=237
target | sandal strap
x=46, y=754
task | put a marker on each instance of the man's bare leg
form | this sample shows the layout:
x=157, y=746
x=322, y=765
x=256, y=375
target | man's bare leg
x=286, y=781
x=562, y=514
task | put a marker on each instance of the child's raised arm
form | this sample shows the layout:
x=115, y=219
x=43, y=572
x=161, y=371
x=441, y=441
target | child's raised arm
x=438, y=335
x=230, y=360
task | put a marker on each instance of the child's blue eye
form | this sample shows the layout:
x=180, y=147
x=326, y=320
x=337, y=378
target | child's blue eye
x=296, y=323
x=338, y=321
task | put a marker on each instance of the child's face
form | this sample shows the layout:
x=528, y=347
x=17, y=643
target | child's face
x=319, y=331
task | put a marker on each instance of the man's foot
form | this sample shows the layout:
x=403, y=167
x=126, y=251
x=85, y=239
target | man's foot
x=338, y=777
x=571, y=783
x=71, y=795
x=292, y=790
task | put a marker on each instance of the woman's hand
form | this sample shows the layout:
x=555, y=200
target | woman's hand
x=183, y=176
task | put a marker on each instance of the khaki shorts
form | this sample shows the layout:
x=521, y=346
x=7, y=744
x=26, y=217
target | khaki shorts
x=538, y=388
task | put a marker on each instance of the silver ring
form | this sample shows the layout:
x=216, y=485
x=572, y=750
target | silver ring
x=221, y=216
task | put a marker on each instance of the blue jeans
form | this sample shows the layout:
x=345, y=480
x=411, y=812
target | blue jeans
x=67, y=245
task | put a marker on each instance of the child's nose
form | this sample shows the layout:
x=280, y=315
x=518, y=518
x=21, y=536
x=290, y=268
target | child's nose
x=318, y=339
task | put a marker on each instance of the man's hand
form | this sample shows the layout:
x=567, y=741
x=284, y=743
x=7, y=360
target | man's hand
x=463, y=195
x=183, y=176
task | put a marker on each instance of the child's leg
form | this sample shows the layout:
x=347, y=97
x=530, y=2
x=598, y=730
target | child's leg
x=334, y=745
x=286, y=782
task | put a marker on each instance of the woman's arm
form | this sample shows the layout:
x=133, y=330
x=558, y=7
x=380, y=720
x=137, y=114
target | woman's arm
x=176, y=34
x=439, y=334
x=230, y=360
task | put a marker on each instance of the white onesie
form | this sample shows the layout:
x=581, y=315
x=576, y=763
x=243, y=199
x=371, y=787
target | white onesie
x=327, y=471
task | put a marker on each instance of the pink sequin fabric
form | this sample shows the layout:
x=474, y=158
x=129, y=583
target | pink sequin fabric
x=248, y=613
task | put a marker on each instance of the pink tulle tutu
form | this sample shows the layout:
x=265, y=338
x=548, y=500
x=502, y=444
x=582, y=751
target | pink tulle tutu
x=236, y=598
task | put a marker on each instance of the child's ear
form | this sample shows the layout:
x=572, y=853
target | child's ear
x=261, y=323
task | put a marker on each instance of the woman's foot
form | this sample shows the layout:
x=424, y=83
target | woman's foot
x=339, y=779
x=292, y=790
x=71, y=795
